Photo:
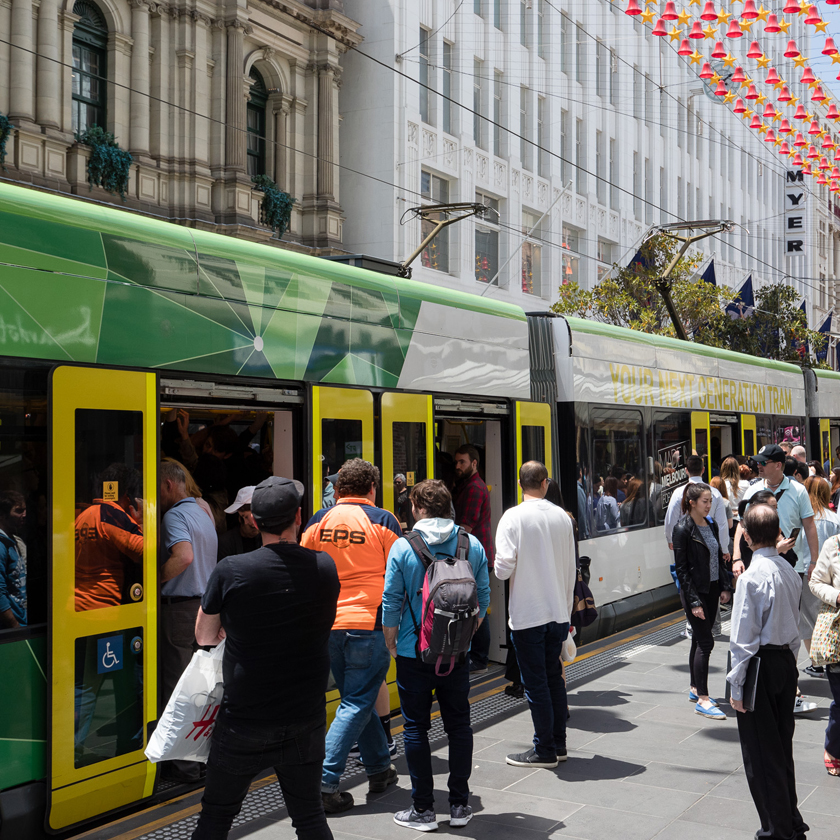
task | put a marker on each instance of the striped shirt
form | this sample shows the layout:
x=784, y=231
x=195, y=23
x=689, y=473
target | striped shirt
x=358, y=536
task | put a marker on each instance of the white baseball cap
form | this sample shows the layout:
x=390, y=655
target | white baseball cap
x=243, y=497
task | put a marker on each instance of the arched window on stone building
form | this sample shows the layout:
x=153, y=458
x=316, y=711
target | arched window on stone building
x=257, y=124
x=90, y=69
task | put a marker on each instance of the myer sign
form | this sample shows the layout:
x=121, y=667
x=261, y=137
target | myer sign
x=795, y=225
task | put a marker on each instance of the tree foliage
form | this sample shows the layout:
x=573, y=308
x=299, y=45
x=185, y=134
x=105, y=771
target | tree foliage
x=629, y=297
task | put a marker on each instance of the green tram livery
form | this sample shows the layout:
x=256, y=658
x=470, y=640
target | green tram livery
x=111, y=324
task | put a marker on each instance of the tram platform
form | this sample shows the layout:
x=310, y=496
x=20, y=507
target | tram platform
x=641, y=764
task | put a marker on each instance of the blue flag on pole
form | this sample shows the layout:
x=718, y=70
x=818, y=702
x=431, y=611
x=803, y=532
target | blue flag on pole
x=825, y=329
x=708, y=276
x=744, y=304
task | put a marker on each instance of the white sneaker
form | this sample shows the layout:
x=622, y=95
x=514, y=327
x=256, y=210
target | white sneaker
x=801, y=706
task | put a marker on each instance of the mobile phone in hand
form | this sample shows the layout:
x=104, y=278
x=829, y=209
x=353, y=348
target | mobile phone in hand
x=794, y=534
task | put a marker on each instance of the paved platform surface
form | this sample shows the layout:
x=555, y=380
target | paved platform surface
x=641, y=765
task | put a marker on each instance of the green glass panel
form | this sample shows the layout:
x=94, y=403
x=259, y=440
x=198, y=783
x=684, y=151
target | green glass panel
x=23, y=724
x=150, y=264
x=368, y=374
x=228, y=362
x=234, y=316
x=219, y=278
x=171, y=334
x=379, y=347
x=289, y=339
x=368, y=306
x=39, y=243
x=66, y=310
x=342, y=374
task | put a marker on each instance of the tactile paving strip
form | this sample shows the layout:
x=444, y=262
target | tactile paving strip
x=268, y=799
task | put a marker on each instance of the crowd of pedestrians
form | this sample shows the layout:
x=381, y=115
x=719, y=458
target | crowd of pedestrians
x=351, y=590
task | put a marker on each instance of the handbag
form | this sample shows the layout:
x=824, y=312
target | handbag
x=183, y=731
x=825, y=642
x=583, y=604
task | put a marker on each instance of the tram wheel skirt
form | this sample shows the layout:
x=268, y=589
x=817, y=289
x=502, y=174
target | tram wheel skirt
x=22, y=812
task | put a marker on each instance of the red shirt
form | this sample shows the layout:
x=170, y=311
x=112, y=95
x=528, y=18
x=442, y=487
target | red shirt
x=472, y=508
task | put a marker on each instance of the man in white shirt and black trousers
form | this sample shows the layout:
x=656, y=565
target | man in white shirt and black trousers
x=765, y=623
x=535, y=548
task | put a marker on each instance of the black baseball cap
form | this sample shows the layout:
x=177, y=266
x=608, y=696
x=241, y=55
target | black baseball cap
x=275, y=500
x=771, y=452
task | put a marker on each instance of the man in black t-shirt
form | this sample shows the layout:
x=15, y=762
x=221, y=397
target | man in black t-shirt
x=275, y=607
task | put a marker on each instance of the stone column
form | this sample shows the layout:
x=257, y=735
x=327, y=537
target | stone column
x=326, y=74
x=5, y=26
x=235, y=147
x=47, y=95
x=281, y=115
x=21, y=61
x=138, y=142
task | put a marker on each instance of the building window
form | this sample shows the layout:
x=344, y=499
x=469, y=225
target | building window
x=613, y=77
x=580, y=54
x=648, y=192
x=525, y=128
x=541, y=36
x=544, y=168
x=256, y=124
x=580, y=157
x=497, y=113
x=477, y=7
x=497, y=14
x=434, y=190
x=477, y=67
x=447, y=87
x=571, y=244
x=487, y=241
x=90, y=42
x=613, y=175
x=663, y=194
x=638, y=208
x=601, y=68
x=565, y=44
x=424, y=74
x=565, y=147
x=523, y=22
x=600, y=168
x=531, y=254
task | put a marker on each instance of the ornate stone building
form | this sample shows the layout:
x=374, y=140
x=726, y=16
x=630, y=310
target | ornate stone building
x=203, y=94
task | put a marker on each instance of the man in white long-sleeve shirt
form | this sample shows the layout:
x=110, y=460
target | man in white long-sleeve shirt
x=765, y=623
x=535, y=548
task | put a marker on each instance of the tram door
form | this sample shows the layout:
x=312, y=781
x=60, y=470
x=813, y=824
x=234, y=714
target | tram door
x=103, y=622
x=700, y=438
x=408, y=449
x=749, y=435
x=533, y=436
x=825, y=440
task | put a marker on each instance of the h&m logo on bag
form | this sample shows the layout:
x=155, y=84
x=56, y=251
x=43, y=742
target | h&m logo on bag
x=204, y=726
x=342, y=537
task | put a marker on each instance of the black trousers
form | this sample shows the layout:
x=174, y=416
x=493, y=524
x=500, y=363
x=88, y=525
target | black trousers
x=702, y=638
x=241, y=749
x=767, y=747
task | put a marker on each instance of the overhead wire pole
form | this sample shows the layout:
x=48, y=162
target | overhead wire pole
x=662, y=284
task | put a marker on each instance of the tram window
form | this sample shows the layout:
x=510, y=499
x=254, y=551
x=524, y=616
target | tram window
x=671, y=446
x=617, y=457
x=586, y=490
x=749, y=443
x=340, y=441
x=109, y=489
x=788, y=430
x=533, y=444
x=409, y=467
x=764, y=429
x=109, y=696
x=24, y=471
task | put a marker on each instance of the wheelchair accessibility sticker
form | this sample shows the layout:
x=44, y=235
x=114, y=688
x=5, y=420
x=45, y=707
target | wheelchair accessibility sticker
x=109, y=654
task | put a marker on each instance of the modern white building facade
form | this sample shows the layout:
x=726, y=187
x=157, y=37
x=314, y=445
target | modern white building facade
x=529, y=96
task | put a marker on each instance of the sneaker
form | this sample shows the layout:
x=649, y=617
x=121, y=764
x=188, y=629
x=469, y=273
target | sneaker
x=477, y=670
x=801, y=706
x=516, y=690
x=354, y=751
x=815, y=671
x=717, y=630
x=562, y=755
x=531, y=759
x=337, y=801
x=418, y=820
x=459, y=815
x=378, y=782
x=713, y=714
x=695, y=697
x=392, y=748
x=687, y=631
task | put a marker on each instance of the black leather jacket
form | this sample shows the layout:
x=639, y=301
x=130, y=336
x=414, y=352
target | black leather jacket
x=691, y=560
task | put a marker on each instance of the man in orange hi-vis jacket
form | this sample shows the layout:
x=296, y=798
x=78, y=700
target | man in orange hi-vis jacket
x=358, y=536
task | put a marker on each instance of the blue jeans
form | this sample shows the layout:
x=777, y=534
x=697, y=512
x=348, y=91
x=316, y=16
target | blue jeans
x=242, y=748
x=416, y=681
x=538, y=653
x=359, y=662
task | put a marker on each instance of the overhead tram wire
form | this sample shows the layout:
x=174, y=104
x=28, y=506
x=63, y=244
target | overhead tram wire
x=398, y=187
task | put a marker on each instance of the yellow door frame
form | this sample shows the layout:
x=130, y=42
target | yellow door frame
x=79, y=794
x=533, y=414
x=748, y=424
x=700, y=421
x=404, y=408
x=825, y=449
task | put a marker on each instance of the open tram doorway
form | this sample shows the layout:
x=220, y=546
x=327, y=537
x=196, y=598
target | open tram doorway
x=488, y=435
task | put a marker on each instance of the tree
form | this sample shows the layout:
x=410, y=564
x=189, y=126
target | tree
x=776, y=329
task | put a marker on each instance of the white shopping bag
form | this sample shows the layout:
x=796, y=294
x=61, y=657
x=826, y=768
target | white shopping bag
x=183, y=731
